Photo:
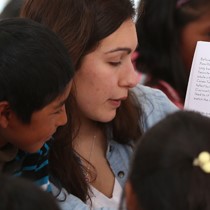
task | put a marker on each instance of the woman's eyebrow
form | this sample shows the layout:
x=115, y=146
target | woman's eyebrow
x=128, y=50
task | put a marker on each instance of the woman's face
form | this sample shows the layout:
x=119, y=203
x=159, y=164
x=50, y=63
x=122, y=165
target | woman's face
x=198, y=30
x=106, y=75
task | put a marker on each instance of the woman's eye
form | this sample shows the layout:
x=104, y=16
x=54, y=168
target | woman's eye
x=115, y=63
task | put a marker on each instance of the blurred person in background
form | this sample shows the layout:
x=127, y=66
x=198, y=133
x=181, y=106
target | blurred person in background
x=168, y=32
x=20, y=194
x=171, y=165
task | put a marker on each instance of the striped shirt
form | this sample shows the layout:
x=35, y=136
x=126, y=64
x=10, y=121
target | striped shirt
x=34, y=167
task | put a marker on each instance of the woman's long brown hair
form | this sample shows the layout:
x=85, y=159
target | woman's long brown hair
x=82, y=24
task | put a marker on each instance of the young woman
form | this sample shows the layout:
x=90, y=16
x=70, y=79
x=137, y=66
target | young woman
x=168, y=32
x=90, y=156
x=174, y=173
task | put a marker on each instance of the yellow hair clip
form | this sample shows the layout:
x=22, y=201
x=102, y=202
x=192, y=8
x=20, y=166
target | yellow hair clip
x=203, y=161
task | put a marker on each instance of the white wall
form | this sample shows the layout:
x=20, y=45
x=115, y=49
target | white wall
x=2, y=4
x=136, y=2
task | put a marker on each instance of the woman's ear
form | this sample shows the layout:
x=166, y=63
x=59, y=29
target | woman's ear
x=4, y=113
x=131, y=198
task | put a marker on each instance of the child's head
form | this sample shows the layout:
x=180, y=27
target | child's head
x=20, y=194
x=165, y=172
x=168, y=32
x=193, y=20
x=35, y=74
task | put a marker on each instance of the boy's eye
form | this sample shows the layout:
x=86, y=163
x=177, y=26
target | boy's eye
x=58, y=112
x=60, y=109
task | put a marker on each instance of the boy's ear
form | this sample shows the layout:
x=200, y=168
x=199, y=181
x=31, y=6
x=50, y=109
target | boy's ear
x=4, y=113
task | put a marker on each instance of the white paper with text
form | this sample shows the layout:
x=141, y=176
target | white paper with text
x=198, y=90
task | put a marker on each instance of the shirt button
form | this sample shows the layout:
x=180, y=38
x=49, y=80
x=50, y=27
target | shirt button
x=121, y=174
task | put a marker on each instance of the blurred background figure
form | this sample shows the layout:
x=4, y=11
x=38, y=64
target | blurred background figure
x=19, y=194
x=168, y=32
x=10, y=8
x=171, y=166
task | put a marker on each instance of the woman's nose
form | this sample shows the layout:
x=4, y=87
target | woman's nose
x=130, y=77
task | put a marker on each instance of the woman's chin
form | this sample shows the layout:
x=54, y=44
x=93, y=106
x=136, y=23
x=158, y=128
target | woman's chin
x=108, y=118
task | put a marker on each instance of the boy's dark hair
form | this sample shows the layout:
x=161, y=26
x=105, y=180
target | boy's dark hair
x=35, y=67
x=20, y=194
x=163, y=169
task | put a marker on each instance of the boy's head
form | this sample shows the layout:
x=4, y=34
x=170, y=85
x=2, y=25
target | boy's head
x=35, y=74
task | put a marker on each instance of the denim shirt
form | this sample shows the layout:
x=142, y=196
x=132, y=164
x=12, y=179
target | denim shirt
x=155, y=106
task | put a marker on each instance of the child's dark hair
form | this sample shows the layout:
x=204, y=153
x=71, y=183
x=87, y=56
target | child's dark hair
x=20, y=194
x=35, y=67
x=163, y=174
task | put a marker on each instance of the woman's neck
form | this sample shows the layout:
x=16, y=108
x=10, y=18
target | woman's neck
x=87, y=135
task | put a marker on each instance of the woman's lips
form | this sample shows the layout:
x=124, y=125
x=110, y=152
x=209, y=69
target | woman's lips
x=115, y=103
